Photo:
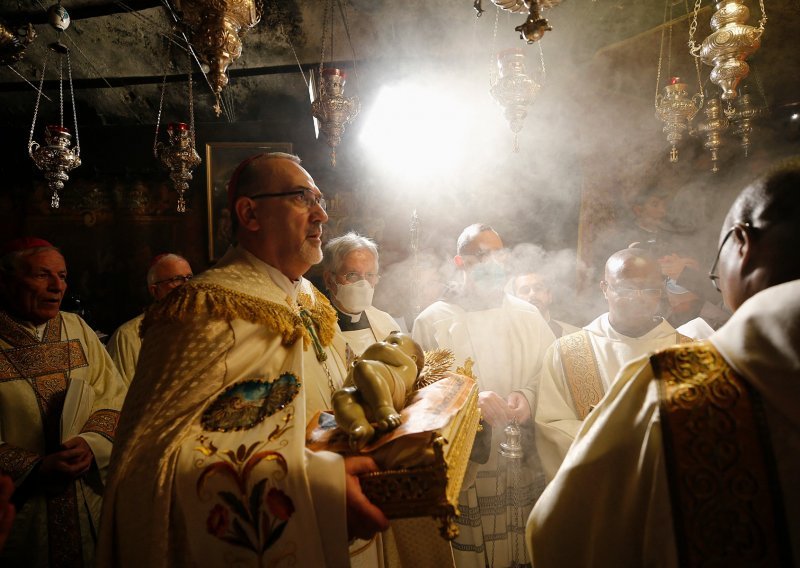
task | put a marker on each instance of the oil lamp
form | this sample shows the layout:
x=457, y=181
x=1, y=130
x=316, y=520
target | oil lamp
x=514, y=90
x=332, y=109
x=676, y=110
x=56, y=157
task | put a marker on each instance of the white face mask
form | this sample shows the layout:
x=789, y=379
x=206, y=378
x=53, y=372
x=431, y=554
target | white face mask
x=354, y=298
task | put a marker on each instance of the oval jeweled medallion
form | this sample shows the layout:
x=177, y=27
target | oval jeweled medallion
x=247, y=403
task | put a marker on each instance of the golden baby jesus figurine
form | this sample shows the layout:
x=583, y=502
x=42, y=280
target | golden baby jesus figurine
x=376, y=388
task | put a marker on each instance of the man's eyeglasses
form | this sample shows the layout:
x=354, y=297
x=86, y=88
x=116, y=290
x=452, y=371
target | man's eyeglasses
x=353, y=277
x=712, y=274
x=630, y=293
x=175, y=280
x=304, y=196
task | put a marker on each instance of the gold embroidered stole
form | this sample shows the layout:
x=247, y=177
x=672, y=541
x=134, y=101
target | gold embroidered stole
x=724, y=488
x=581, y=371
x=45, y=366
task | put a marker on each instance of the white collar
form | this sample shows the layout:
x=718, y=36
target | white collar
x=279, y=278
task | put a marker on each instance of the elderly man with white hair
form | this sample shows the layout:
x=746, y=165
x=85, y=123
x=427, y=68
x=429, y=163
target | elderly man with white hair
x=167, y=272
x=350, y=272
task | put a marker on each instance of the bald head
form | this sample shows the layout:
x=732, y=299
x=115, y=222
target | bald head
x=761, y=235
x=633, y=263
x=633, y=287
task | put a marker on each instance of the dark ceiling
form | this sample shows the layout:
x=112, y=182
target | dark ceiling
x=121, y=50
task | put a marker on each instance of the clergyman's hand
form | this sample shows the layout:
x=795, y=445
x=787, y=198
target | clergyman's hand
x=519, y=407
x=363, y=518
x=494, y=409
x=70, y=463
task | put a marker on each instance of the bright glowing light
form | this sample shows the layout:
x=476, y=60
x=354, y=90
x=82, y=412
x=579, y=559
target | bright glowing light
x=415, y=132
x=795, y=116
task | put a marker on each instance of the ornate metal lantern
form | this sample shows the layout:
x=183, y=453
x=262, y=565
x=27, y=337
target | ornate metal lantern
x=731, y=42
x=514, y=90
x=215, y=29
x=333, y=110
x=179, y=156
x=676, y=110
x=712, y=128
x=56, y=157
x=745, y=112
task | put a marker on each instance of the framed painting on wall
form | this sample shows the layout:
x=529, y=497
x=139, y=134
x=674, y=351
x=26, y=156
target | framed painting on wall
x=221, y=160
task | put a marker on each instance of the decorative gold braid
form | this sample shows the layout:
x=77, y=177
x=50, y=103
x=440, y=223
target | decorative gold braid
x=219, y=302
x=718, y=457
x=322, y=312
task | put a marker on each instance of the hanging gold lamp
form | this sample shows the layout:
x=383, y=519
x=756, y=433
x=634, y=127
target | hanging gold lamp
x=514, y=89
x=215, y=29
x=712, y=129
x=729, y=45
x=56, y=157
x=332, y=109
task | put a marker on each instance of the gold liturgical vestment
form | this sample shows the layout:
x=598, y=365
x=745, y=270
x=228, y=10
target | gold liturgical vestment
x=56, y=527
x=210, y=467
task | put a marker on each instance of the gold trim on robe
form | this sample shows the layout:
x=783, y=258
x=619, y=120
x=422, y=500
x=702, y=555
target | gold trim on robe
x=218, y=302
x=582, y=372
x=724, y=487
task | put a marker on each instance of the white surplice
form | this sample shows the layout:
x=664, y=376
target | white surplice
x=506, y=344
x=124, y=346
x=609, y=504
x=557, y=419
x=55, y=525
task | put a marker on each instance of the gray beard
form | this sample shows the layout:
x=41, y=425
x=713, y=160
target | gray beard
x=310, y=253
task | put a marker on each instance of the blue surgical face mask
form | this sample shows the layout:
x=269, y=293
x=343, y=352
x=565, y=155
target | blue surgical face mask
x=488, y=276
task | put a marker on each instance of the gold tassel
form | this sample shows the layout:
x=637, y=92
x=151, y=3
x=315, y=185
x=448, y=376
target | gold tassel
x=195, y=300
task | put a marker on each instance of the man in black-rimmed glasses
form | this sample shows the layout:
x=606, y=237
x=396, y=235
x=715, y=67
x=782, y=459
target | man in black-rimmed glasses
x=233, y=365
x=692, y=458
x=167, y=272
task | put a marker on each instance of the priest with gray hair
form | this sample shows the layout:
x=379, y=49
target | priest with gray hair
x=350, y=271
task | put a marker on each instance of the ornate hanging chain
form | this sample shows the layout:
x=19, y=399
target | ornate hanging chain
x=191, y=103
x=492, y=54
x=694, y=48
x=161, y=102
x=541, y=58
x=700, y=89
x=74, y=112
x=327, y=14
x=38, y=99
x=661, y=54
x=61, y=92
x=343, y=12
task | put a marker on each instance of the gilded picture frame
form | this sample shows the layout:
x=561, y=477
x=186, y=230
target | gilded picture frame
x=221, y=160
